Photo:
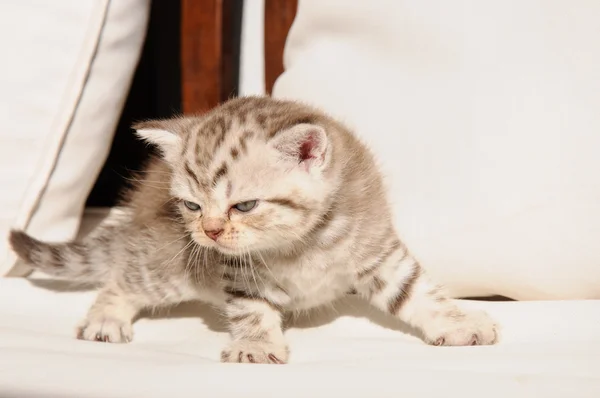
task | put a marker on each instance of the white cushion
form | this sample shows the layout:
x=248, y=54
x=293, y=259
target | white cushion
x=64, y=76
x=484, y=116
x=549, y=349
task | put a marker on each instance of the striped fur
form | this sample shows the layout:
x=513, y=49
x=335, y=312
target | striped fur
x=320, y=228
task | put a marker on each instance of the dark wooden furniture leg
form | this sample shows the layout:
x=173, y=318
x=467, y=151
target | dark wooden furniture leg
x=210, y=48
x=210, y=51
x=279, y=16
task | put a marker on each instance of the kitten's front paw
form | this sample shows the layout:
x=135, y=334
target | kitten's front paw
x=464, y=328
x=255, y=351
x=106, y=329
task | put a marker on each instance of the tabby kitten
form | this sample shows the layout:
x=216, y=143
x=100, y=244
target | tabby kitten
x=259, y=207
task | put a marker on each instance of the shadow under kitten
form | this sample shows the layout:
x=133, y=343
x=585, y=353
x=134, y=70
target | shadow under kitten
x=346, y=307
x=350, y=306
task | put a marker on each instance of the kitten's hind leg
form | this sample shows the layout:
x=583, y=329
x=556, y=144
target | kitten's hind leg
x=398, y=285
x=257, y=336
x=110, y=317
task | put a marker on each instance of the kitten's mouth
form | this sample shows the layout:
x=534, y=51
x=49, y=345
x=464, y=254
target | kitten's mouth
x=219, y=246
x=225, y=249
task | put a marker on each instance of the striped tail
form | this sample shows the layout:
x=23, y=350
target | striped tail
x=77, y=261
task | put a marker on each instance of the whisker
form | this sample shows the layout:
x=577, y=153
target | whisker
x=178, y=254
x=267, y=267
x=244, y=271
x=235, y=275
x=170, y=243
x=190, y=262
x=252, y=270
x=205, y=263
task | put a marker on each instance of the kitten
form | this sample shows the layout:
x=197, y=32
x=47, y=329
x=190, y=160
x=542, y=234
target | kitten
x=260, y=207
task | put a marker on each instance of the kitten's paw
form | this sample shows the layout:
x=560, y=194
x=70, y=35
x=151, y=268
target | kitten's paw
x=464, y=328
x=255, y=351
x=106, y=329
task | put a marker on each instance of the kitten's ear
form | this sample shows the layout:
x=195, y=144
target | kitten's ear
x=162, y=133
x=305, y=143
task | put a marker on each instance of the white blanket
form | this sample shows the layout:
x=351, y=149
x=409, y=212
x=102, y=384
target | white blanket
x=548, y=349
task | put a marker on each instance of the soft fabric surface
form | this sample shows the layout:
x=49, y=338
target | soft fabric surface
x=484, y=116
x=549, y=349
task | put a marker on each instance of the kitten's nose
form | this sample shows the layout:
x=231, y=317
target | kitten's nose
x=213, y=233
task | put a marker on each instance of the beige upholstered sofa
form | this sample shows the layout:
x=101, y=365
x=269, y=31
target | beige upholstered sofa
x=484, y=115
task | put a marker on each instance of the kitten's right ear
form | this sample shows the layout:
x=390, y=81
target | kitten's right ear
x=163, y=134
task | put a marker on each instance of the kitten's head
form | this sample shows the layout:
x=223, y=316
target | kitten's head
x=252, y=175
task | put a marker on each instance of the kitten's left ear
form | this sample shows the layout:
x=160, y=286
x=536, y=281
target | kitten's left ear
x=305, y=143
x=162, y=133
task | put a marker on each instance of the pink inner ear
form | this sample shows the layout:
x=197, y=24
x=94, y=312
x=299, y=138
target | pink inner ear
x=307, y=147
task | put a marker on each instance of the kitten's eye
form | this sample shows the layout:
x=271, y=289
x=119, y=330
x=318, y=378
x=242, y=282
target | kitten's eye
x=246, y=206
x=191, y=205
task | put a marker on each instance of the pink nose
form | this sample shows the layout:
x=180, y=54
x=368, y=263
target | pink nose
x=213, y=233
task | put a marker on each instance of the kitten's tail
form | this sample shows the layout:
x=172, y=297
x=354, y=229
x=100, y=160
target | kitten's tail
x=77, y=261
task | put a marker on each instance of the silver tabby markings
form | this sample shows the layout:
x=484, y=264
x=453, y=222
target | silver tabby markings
x=260, y=207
